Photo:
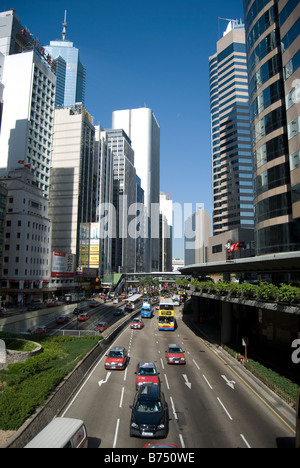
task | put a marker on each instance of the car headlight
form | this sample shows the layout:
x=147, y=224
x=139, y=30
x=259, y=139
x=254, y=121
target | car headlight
x=161, y=426
x=134, y=425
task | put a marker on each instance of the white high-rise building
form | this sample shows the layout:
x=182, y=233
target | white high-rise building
x=143, y=130
x=72, y=178
x=27, y=117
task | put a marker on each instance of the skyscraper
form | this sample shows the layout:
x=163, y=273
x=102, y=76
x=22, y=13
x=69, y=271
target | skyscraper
x=272, y=37
x=71, y=74
x=143, y=130
x=72, y=191
x=232, y=166
x=28, y=80
x=124, y=195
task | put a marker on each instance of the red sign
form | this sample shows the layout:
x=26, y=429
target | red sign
x=236, y=246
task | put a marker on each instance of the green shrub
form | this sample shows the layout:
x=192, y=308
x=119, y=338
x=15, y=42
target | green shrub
x=250, y=291
x=222, y=288
x=289, y=294
x=27, y=385
x=268, y=291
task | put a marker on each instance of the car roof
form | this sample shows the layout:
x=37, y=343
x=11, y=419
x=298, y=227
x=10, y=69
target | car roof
x=146, y=364
x=117, y=348
x=174, y=344
x=149, y=391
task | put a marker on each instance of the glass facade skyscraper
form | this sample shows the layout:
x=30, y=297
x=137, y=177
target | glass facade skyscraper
x=70, y=72
x=272, y=38
x=232, y=163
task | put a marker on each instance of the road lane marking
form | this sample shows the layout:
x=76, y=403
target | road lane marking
x=230, y=383
x=173, y=407
x=196, y=364
x=122, y=396
x=248, y=445
x=224, y=408
x=162, y=364
x=207, y=382
x=181, y=441
x=167, y=382
x=187, y=383
x=104, y=381
x=116, y=433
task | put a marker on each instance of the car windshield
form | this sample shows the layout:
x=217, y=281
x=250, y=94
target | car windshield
x=148, y=406
x=175, y=349
x=147, y=371
x=114, y=353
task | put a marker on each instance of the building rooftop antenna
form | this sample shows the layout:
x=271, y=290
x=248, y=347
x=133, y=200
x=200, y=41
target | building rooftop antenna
x=234, y=21
x=64, y=31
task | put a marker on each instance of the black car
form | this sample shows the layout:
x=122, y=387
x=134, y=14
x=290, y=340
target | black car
x=150, y=413
x=118, y=312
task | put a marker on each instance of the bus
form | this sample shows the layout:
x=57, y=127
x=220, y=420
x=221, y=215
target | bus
x=166, y=315
x=176, y=299
x=146, y=311
x=132, y=302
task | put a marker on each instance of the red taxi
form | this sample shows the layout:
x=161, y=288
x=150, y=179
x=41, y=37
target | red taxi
x=41, y=330
x=175, y=354
x=83, y=317
x=62, y=319
x=101, y=326
x=116, y=358
x=137, y=323
x=146, y=373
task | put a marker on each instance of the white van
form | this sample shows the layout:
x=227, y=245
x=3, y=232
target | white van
x=61, y=433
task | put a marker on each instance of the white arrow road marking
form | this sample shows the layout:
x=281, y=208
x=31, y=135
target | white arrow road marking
x=230, y=383
x=186, y=381
x=104, y=381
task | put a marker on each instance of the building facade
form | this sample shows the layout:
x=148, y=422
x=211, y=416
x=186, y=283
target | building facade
x=70, y=71
x=26, y=240
x=73, y=178
x=104, y=198
x=272, y=37
x=143, y=130
x=166, y=232
x=27, y=117
x=197, y=231
x=232, y=166
x=124, y=197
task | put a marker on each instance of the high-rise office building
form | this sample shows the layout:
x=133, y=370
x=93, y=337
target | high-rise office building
x=27, y=117
x=72, y=194
x=104, y=199
x=166, y=228
x=232, y=166
x=71, y=73
x=197, y=229
x=143, y=130
x=28, y=82
x=272, y=37
x=124, y=196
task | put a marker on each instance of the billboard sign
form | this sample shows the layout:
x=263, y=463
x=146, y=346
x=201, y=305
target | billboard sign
x=63, y=265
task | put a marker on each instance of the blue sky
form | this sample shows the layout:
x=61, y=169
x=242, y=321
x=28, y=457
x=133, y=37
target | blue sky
x=147, y=53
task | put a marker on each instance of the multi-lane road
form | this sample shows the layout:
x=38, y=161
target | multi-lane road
x=213, y=401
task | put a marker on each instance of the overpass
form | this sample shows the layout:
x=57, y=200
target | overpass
x=287, y=262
